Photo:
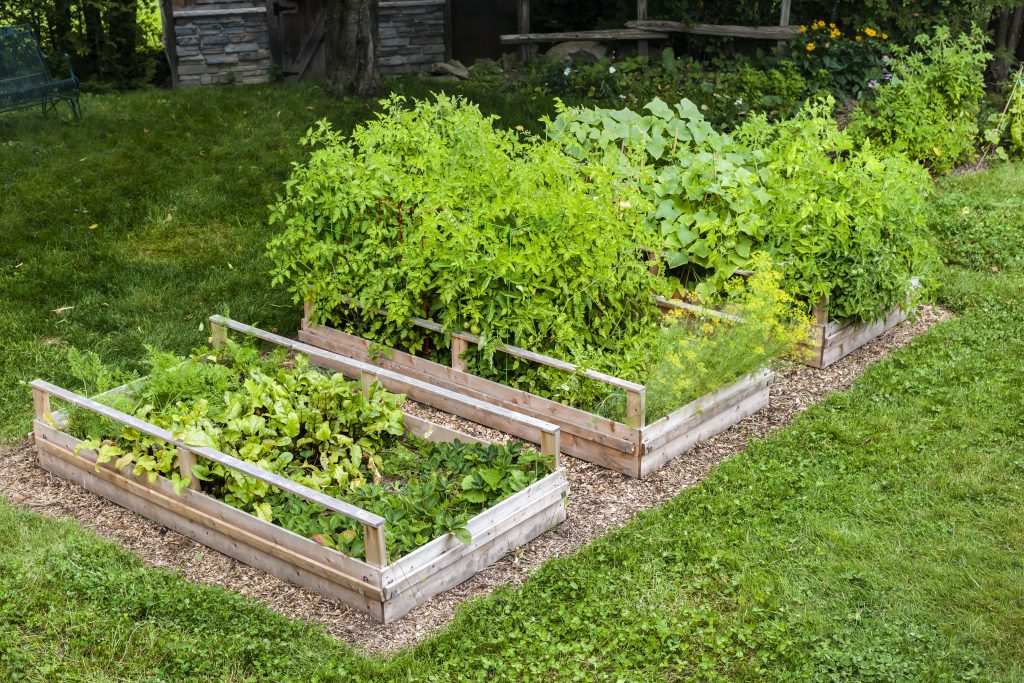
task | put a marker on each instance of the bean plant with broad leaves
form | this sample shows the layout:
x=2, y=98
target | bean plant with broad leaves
x=844, y=224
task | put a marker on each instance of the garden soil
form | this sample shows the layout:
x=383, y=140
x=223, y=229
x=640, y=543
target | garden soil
x=599, y=501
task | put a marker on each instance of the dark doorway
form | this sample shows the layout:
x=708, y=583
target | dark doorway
x=476, y=26
x=296, y=38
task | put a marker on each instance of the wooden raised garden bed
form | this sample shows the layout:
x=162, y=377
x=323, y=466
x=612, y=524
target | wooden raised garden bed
x=635, y=449
x=383, y=590
x=836, y=339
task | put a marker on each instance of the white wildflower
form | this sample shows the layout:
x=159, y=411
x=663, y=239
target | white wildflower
x=567, y=71
x=611, y=69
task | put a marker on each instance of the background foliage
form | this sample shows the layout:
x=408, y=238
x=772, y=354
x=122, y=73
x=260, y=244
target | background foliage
x=112, y=43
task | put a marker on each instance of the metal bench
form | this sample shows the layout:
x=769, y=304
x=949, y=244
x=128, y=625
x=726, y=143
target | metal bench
x=25, y=79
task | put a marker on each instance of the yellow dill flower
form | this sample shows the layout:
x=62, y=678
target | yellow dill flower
x=810, y=47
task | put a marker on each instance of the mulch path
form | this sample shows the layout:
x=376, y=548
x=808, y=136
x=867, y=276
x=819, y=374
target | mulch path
x=599, y=501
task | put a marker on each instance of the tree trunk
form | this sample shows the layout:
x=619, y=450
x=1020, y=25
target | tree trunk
x=60, y=39
x=350, y=42
x=94, y=35
x=1016, y=28
x=123, y=34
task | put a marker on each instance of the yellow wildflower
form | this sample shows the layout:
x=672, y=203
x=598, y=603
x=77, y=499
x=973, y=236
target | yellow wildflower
x=803, y=29
x=870, y=32
x=835, y=33
x=810, y=47
x=885, y=36
x=831, y=25
x=857, y=38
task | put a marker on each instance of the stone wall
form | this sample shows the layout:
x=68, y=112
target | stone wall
x=411, y=35
x=222, y=45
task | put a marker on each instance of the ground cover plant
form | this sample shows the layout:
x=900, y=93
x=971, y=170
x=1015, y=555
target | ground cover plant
x=311, y=426
x=430, y=211
x=842, y=223
x=875, y=539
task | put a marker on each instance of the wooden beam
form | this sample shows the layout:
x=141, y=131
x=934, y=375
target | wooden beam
x=641, y=15
x=611, y=34
x=721, y=30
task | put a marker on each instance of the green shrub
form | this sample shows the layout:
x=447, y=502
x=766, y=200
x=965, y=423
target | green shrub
x=929, y=109
x=843, y=224
x=432, y=212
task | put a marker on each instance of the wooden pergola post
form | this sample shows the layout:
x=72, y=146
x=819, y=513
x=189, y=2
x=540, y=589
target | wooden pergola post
x=523, y=20
x=641, y=15
x=783, y=21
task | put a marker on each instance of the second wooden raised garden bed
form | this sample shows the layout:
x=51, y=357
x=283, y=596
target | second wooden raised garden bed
x=382, y=589
x=635, y=449
x=832, y=340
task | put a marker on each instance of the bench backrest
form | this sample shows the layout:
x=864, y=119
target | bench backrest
x=22, y=65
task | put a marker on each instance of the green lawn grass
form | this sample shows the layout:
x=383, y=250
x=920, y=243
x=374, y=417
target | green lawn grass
x=877, y=538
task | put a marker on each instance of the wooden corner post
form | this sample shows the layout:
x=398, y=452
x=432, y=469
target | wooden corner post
x=367, y=379
x=636, y=407
x=218, y=334
x=186, y=461
x=459, y=348
x=376, y=551
x=550, y=444
x=41, y=404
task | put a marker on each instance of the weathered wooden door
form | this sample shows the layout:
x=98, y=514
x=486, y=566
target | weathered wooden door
x=296, y=38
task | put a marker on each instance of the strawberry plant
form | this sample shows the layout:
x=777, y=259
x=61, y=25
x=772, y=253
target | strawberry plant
x=315, y=428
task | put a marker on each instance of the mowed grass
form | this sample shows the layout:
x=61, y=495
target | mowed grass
x=876, y=539
x=132, y=227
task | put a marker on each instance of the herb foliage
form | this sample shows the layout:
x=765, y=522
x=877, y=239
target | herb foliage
x=315, y=428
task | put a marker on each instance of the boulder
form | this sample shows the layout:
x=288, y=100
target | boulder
x=578, y=50
x=452, y=68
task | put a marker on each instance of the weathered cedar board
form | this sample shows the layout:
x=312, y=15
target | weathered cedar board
x=384, y=594
x=613, y=445
x=835, y=340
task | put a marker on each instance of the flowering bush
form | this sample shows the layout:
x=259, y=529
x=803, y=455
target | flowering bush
x=844, y=62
